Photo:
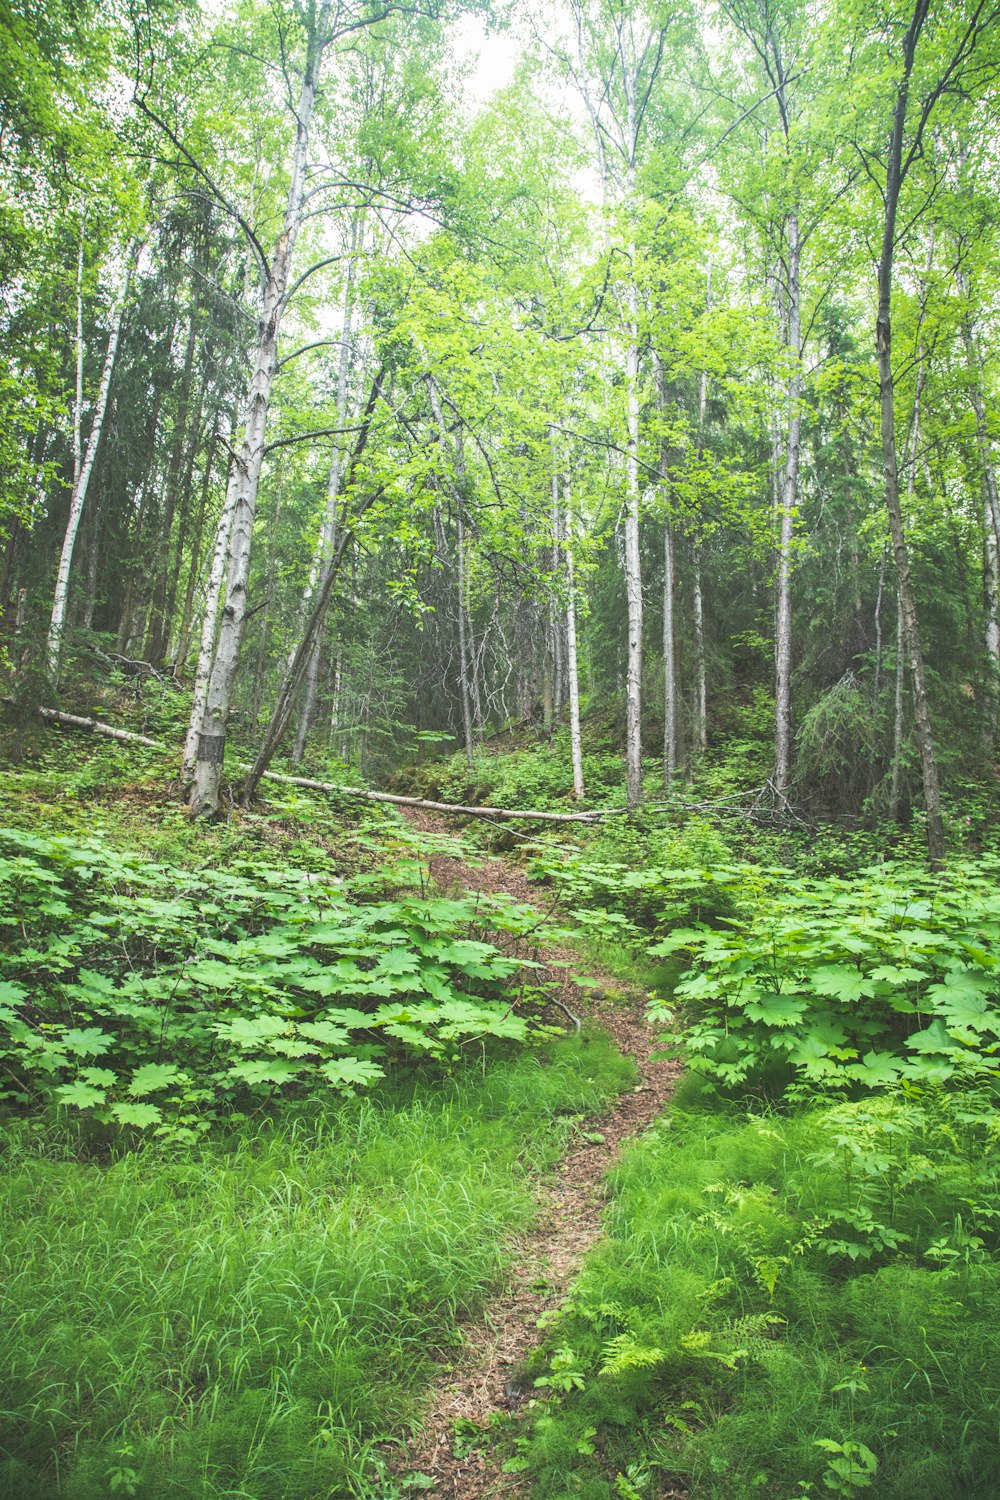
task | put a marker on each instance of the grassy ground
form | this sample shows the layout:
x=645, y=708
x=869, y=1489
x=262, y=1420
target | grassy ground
x=790, y=1303
x=253, y=1319
x=786, y=1307
x=250, y=1314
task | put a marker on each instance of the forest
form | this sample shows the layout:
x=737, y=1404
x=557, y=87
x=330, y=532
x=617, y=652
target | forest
x=500, y=674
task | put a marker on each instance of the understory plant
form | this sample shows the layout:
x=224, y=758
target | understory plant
x=846, y=984
x=141, y=996
x=253, y=1315
x=785, y=1306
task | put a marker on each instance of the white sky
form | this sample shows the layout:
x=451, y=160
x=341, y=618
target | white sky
x=492, y=58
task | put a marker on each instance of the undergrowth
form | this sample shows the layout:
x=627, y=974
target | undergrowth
x=251, y=1317
x=785, y=1307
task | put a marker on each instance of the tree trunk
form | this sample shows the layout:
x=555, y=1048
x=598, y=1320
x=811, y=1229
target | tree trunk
x=208, y=728
x=187, y=613
x=669, y=663
x=298, y=665
x=57, y=623
x=899, y=718
x=460, y=580
x=700, y=728
x=210, y=620
x=700, y=672
x=297, y=668
x=156, y=622
x=633, y=566
x=991, y=592
x=883, y=345
x=991, y=535
x=328, y=531
x=786, y=532
x=572, y=674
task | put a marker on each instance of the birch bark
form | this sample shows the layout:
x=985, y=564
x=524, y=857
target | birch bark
x=572, y=671
x=208, y=727
x=700, y=734
x=460, y=582
x=84, y=467
x=991, y=531
x=786, y=525
x=327, y=540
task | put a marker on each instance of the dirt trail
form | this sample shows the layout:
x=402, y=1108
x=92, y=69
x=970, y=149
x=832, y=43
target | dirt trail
x=475, y=1379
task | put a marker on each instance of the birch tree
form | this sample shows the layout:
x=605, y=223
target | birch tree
x=84, y=463
x=928, y=65
x=614, y=61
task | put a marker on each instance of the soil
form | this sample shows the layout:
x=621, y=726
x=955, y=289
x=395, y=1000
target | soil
x=480, y=1377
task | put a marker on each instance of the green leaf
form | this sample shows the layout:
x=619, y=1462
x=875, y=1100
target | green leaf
x=325, y=1032
x=898, y=974
x=351, y=1072
x=399, y=962
x=153, y=1076
x=89, y=1043
x=840, y=982
x=100, y=1078
x=266, y=1070
x=776, y=1010
x=960, y=987
x=250, y=1032
x=875, y=1070
x=216, y=975
x=933, y=1038
x=80, y=1095
x=136, y=1114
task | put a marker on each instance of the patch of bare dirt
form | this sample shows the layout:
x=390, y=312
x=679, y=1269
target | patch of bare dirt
x=478, y=1378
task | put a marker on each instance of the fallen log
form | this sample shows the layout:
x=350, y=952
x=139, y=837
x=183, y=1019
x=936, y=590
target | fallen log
x=94, y=726
x=530, y=815
x=593, y=816
x=77, y=721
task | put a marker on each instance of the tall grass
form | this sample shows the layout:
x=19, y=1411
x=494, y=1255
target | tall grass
x=773, y=1286
x=253, y=1320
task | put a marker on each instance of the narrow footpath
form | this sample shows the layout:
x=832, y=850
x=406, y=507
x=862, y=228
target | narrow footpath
x=477, y=1379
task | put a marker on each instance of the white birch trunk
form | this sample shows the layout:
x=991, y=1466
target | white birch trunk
x=786, y=534
x=210, y=726
x=991, y=590
x=899, y=718
x=700, y=734
x=572, y=672
x=78, y=398
x=210, y=622
x=633, y=567
x=669, y=662
x=327, y=539
x=57, y=623
x=991, y=531
x=700, y=672
x=460, y=585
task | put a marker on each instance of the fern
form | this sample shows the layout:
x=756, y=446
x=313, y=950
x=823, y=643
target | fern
x=624, y=1353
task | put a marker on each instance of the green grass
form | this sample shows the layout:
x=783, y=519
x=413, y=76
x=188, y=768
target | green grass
x=772, y=1284
x=251, y=1320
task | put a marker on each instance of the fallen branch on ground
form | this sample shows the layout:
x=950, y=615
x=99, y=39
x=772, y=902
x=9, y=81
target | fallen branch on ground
x=77, y=721
x=594, y=815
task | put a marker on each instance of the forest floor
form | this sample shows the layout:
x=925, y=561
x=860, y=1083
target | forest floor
x=482, y=1377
